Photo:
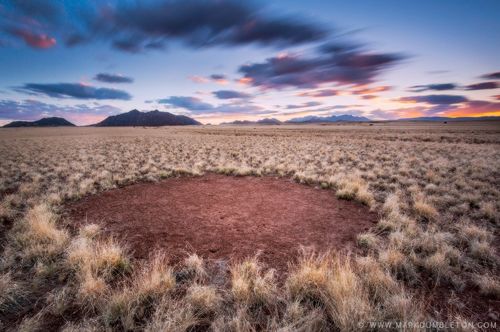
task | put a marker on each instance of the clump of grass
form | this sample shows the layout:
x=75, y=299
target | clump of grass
x=354, y=187
x=489, y=210
x=367, y=240
x=424, y=209
x=195, y=266
x=251, y=285
x=378, y=281
x=90, y=231
x=204, y=299
x=488, y=285
x=12, y=294
x=399, y=264
x=438, y=264
x=131, y=304
x=483, y=251
x=37, y=236
x=308, y=278
x=171, y=316
x=95, y=263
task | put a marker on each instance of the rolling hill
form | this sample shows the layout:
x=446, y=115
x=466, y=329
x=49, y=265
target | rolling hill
x=45, y=122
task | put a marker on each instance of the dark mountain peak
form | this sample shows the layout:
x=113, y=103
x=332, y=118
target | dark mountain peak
x=149, y=119
x=44, y=122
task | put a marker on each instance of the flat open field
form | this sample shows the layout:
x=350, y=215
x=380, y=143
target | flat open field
x=250, y=228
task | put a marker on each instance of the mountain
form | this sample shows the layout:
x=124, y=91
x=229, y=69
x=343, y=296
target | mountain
x=149, y=119
x=332, y=118
x=266, y=121
x=269, y=121
x=443, y=118
x=45, y=122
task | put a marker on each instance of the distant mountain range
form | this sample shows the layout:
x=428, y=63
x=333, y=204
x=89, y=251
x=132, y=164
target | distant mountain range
x=149, y=119
x=45, y=122
x=331, y=118
x=306, y=119
x=266, y=121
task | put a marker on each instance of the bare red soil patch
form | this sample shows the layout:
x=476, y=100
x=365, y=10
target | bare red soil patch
x=222, y=217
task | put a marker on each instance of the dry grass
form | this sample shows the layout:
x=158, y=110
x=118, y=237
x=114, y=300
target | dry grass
x=435, y=187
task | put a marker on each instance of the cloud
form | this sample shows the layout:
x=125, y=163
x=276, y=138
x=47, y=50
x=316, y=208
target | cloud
x=319, y=93
x=197, y=106
x=113, y=78
x=371, y=90
x=304, y=105
x=231, y=94
x=33, y=39
x=188, y=103
x=434, y=99
x=47, y=11
x=434, y=87
x=134, y=26
x=492, y=76
x=342, y=65
x=482, y=86
x=202, y=23
x=217, y=77
x=198, y=79
x=30, y=110
x=74, y=90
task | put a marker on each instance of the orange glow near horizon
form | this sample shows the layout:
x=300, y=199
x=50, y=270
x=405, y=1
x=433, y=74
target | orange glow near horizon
x=471, y=113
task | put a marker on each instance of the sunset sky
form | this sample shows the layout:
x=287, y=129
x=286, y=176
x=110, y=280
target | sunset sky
x=220, y=60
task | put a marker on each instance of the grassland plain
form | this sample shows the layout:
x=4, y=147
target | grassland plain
x=432, y=256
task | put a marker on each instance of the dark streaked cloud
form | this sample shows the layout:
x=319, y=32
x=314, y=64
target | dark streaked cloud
x=435, y=99
x=202, y=23
x=304, y=105
x=113, y=78
x=433, y=87
x=197, y=106
x=342, y=65
x=134, y=26
x=231, y=94
x=74, y=90
x=482, y=86
x=492, y=76
x=46, y=11
x=319, y=93
x=188, y=103
x=217, y=77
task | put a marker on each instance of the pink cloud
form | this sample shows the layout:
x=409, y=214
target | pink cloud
x=35, y=40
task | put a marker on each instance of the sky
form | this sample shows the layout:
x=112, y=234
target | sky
x=224, y=60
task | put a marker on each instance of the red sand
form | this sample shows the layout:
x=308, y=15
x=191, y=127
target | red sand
x=222, y=217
